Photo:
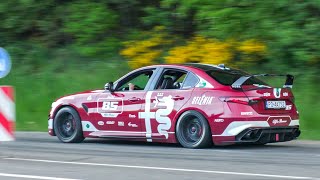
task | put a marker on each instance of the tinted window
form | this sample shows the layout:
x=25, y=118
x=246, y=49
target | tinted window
x=190, y=81
x=171, y=79
x=228, y=77
x=139, y=81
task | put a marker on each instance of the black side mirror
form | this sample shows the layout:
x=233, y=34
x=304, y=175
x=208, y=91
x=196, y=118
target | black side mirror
x=109, y=86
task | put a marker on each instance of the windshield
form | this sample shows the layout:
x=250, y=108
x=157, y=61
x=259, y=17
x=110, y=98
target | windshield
x=228, y=77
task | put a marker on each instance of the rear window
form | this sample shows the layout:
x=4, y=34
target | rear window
x=228, y=77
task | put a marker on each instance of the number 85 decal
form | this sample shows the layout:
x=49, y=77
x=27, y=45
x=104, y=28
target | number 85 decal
x=107, y=105
x=110, y=105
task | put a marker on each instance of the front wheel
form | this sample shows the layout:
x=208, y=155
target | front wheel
x=193, y=130
x=67, y=126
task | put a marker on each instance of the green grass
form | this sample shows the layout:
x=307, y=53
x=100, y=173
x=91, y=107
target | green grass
x=36, y=90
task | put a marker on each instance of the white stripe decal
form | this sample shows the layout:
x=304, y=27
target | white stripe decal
x=33, y=177
x=147, y=116
x=164, y=169
x=50, y=124
x=7, y=107
x=294, y=123
x=4, y=135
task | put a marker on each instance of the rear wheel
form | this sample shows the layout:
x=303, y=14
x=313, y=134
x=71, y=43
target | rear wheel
x=67, y=126
x=193, y=130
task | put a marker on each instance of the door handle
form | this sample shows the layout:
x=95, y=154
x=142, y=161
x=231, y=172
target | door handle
x=178, y=98
x=134, y=99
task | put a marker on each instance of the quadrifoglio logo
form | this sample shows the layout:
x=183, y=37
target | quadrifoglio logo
x=165, y=105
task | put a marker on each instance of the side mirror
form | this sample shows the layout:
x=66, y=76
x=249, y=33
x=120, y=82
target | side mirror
x=109, y=86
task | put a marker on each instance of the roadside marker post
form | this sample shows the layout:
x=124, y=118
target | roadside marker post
x=7, y=113
x=7, y=104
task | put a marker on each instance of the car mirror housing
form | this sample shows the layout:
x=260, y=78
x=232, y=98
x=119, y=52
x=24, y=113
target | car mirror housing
x=109, y=86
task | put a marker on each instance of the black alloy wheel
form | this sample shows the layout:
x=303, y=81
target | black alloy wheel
x=67, y=126
x=193, y=130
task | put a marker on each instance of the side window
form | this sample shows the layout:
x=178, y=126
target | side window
x=135, y=82
x=190, y=81
x=171, y=79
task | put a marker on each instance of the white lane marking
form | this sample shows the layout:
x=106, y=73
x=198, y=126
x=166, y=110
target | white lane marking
x=165, y=169
x=33, y=177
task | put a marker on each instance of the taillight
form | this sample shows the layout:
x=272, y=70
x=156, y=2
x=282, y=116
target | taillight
x=239, y=100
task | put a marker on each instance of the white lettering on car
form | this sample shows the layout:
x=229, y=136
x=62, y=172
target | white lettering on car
x=246, y=113
x=203, y=100
x=278, y=121
x=218, y=120
x=266, y=94
x=132, y=125
x=110, y=105
x=288, y=107
x=110, y=122
x=120, y=123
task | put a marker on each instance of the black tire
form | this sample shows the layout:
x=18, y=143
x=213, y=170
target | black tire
x=67, y=126
x=193, y=130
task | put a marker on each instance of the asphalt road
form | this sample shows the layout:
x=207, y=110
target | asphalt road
x=39, y=156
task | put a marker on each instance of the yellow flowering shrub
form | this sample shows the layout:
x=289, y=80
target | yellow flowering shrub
x=252, y=46
x=198, y=50
x=251, y=51
x=148, y=51
x=201, y=50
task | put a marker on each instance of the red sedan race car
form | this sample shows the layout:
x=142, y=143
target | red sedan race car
x=196, y=105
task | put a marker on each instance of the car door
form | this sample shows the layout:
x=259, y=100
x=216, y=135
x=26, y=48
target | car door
x=118, y=110
x=163, y=102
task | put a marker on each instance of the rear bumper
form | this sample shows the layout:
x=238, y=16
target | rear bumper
x=267, y=135
x=262, y=135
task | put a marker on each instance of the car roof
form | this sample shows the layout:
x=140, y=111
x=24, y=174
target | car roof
x=203, y=67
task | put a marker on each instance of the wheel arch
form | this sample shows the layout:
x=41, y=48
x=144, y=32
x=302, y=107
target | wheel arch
x=58, y=109
x=178, y=115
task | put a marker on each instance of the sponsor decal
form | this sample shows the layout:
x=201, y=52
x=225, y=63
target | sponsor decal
x=132, y=116
x=203, y=83
x=203, y=100
x=288, y=107
x=285, y=94
x=89, y=98
x=278, y=121
x=110, y=122
x=132, y=125
x=266, y=94
x=165, y=105
x=101, y=123
x=277, y=92
x=113, y=115
x=120, y=123
x=110, y=107
x=218, y=120
x=246, y=113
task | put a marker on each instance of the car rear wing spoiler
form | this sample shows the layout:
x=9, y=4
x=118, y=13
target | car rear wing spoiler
x=238, y=83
